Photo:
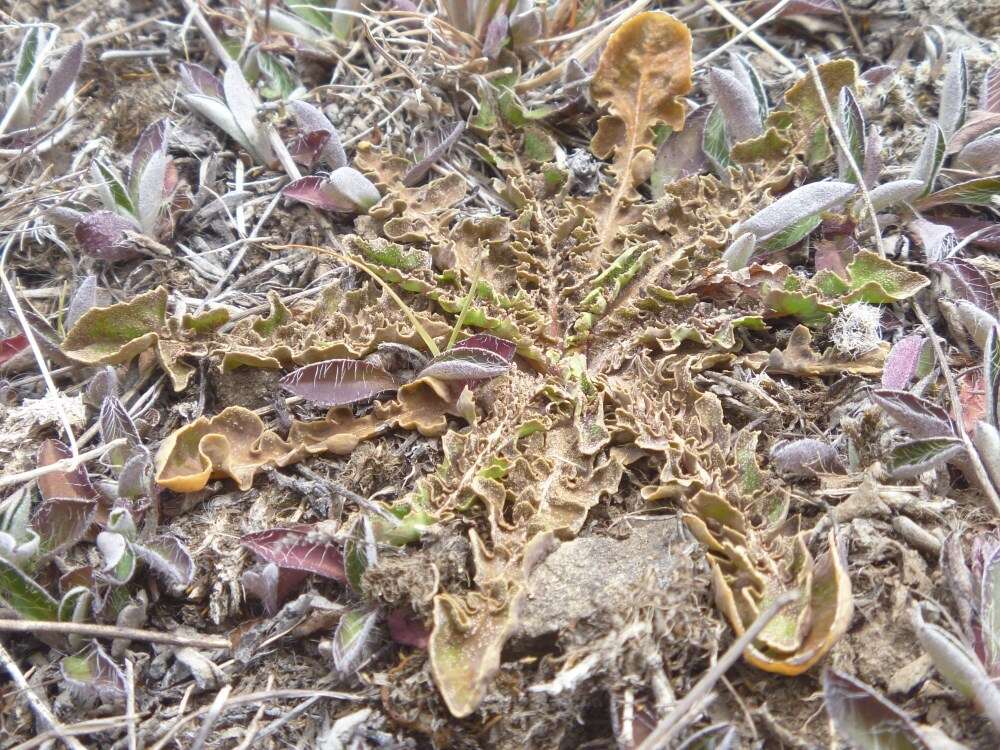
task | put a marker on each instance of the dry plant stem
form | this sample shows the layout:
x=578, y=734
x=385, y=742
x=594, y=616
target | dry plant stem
x=113, y=631
x=977, y=463
x=254, y=727
x=130, y=703
x=842, y=142
x=280, y=150
x=37, y=703
x=241, y=700
x=90, y=726
x=213, y=715
x=43, y=368
x=753, y=36
x=744, y=32
x=66, y=464
x=584, y=51
x=680, y=716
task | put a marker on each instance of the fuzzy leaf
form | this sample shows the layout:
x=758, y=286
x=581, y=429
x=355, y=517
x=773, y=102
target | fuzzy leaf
x=738, y=104
x=104, y=235
x=792, y=234
x=739, y=252
x=852, y=124
x=466, y=364
x=152, y=140
x=797, y=7
x=930, y=159
x=872, y=166
x=978, y=192
x=60, y=81
x=115, y=422
x=94, y=672
x=981, y=155
x=916, y=415
x=11, y=347
x=954, y=96
x=74, y=604
x=865, y=718
x=345, y=191
x=407, y=630
x=879, y=281
x=748, y=76
x=680, y=154
x=793, y=207
x=69, y=501
x=310, y=120
x=119, y=558
x=114, y=192
x=352, y=638
x=168, y=557
x=713, y=141
x=19, y=592
x=299, y=547
x=501, y=347
x=149, y=191
x=418, y=171
x=805, y=458
x=83, y=299
x=967, y=282
x=199, y=80
x=272, y=585
x=991, y=375
x=895, y=192
x=901, y=364
x=217, y=112
x=242, y=102
x=989, y=93
x=914, y=458
x=337, y=382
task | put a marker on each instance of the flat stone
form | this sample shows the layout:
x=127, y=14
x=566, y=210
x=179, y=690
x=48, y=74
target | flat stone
x=586, y=576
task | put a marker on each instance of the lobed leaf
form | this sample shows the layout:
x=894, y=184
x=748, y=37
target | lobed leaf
x=115, y=334
x=876, y=280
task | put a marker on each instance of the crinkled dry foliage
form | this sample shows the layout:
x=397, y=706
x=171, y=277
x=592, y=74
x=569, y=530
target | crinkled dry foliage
x=525, y=379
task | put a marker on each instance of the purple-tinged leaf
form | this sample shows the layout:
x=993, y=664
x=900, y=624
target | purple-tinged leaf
x=978, y=125
x=896, y=192
x=19, y=592
x=987, y=233
x=168, y=557
x=466, y=365
x=310, y=120
x=916, y=415
x=806, y=457
x=307, y=149
x=871, y=169
x=501, y=347
x=407, y=630
x=12, y=346
x=978, y=192
x=747, y=76
x=797, y=8
x=150, y=196
x=345, y=191
x=74, y=606
x=680, y=154
x=104, y=235
x=103, y=385
x=982, y=155
x=337, y=382
x=912, y=459
x=272, y=585
x=938, y=240
x=967, y=282
x=84, y=298
x=352, y=638
x=115, y=423
x=954, y=95
x=135, y=480
x=69, y=501
x=152, y=140
x=298, y=547
x=878, y=74
x=94, y=673
x=738, y=104
x=901, y=364
x=526, y=27
x=59, y=82
x=198, y=80
x=930, y=158
x=989, y=93
x=496, y=33
x=866, y=719
x=958, y=666
x=419, y=170
x=796, y=206
x=217, y=112
x=62, y=485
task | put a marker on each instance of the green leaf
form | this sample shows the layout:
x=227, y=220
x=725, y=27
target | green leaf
x=791, y=234
x=278, y=82
x=808, y=308
x=917, y=456
x=877, y=280
x=26, y=55
x=714, y=142
x=115, y=334
x=75, y=604
x=307, y=11
x=121, y=202
x=978, y=192
x=931, y=158
x=852, y=123
x=24, y=596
